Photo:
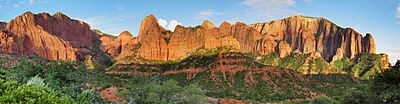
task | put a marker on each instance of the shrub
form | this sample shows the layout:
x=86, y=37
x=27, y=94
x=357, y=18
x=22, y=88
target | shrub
x=89, y=97
x=12, y=92
x=324, y=100
x=167, y=92
x=36, y=81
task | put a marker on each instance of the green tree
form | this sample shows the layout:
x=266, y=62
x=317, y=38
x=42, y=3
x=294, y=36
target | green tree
x=387, y=85
x=384, y=88
x=12, y=92
x=25, y=70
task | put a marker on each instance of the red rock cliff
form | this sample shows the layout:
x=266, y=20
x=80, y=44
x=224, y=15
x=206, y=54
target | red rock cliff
x=308, y=34
x=298, y=33
x=54, y=37
x=160, y=44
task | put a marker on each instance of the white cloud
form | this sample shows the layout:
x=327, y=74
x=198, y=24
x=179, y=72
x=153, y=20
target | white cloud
x=169, y=26
x=269, y=8
x=162, y=22
x=206, y=14
x=173, y=24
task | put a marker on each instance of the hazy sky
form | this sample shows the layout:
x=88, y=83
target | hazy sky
x=379, y=17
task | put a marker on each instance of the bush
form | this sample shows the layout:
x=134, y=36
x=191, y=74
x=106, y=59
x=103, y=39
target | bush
x=36, y=81
x=324, y=100
x=367, y=66
x=343, y=64
x=89, y=97
x=167, y=92
x=12, y=92
x=64, y=76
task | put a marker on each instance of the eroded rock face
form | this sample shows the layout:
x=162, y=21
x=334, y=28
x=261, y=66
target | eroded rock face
x=283, y=49
x=246, y=36
x=369, y=44
x=58, y=37
x=160, y=44
x=301, y=34
x=308, y=34
x=124, y=45
x=339, y=55
x=25, y=36
x=78, y=33
x=185, y=41
x=208, y=25
x=265, y=46
x=153, y=42
x=385, y=61
x=2, y=25
x=53, y=37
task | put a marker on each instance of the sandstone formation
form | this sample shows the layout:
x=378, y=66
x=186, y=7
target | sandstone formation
x=160, y=44
x=294, y=34
x=369, y=44
x=385, y=61
x=109, y=46
x=57, y=37
x=153, y=42
x=123, y=45
x=308, y=34
x=54, y=37
x=283, y=49
x=265, y=46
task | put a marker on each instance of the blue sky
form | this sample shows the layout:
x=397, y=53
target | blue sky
x=379, y=17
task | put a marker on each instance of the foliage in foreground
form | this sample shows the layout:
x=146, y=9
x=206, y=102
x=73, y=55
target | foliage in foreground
x=13, y=92
x=47, y=79
x=167, y=92
x=385, y=88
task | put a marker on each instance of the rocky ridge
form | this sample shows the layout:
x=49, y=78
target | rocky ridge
x=296, y=34
x=58, y=37
x=53, y=37
x=309, y=34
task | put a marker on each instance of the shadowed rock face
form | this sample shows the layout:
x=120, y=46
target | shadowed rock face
x=53, y=37
x=2, y=25
x=385, y=61
x=308, y=34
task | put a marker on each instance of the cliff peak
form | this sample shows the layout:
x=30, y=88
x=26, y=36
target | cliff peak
x=208, y=25
x=125, y=34
x=224, y=24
